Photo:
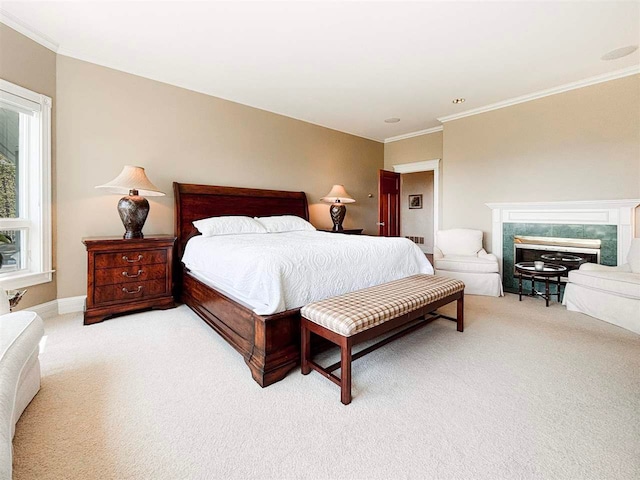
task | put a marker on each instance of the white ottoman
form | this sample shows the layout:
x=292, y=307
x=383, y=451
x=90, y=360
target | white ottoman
x=20, y=335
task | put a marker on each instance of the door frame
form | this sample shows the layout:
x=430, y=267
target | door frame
x=426, y=166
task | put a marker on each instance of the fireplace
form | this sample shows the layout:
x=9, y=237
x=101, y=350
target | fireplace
x=610, y=221
x=568, y=252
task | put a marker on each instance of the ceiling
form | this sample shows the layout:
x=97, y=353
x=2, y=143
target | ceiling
x=346, y=65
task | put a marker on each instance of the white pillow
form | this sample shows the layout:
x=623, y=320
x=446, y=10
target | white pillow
x=459, y=241
x=228, y=226
x=285, y=223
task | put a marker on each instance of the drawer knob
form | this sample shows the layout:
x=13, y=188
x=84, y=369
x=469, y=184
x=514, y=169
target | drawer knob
x=124, y=289
x=126, y=259
x=126, y=274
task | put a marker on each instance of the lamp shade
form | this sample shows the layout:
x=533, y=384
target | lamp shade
x=132, y=178
x=338, y=195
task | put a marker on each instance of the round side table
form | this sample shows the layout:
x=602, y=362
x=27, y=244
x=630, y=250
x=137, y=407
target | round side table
x=527, y=271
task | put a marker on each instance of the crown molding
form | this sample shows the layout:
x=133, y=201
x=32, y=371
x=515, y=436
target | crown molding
x=413, y=134
x=21, y=27
x=625, y=72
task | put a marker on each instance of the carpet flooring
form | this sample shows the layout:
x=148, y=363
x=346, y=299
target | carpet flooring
x=526, y=392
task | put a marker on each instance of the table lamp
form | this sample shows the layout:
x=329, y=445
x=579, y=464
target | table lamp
x=133, y=208
x=338, y=196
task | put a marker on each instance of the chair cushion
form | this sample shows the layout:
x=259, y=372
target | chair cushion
x=625, y=284
x=355, y=312
x=633, y=258
x=459, y=241
x=464, y=263
x=605, y=268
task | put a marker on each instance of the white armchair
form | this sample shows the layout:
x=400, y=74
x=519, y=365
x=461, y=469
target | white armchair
x=20, y=334
x=611, y=294
x=458, y=253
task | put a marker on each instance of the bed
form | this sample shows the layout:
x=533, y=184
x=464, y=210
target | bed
x=265, y=326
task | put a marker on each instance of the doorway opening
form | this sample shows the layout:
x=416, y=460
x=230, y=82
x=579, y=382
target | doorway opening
x=416, y=209
x=430, y=186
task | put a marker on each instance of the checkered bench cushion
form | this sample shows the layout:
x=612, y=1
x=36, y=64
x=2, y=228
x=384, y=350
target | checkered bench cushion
x=355, y=312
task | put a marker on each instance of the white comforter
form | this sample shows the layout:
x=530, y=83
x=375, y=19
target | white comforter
x=273, y=272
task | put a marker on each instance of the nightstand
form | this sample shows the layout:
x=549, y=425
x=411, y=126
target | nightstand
x=346, y=231
x=128, y=275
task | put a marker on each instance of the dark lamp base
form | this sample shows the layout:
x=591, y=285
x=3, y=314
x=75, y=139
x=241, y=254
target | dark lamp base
x=133, y=210
x=130, y=235
x=337, y=211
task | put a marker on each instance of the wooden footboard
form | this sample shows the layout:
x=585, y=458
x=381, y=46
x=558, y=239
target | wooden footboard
x=269, y=344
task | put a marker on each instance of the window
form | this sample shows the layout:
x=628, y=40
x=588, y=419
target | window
x=25, y=187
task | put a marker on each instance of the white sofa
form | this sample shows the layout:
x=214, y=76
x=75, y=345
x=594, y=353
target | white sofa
x=20, y=335
x=611, y=294
x=458, y=253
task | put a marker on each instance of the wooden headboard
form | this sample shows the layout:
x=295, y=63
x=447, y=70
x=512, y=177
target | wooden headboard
x=195, y=202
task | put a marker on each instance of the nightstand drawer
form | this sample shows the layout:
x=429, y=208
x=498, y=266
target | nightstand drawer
x=140, y=273
x=130, y=258
x=130, y=291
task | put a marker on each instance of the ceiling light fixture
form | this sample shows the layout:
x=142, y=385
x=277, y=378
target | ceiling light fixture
x=392, y=120
x=619, y=52
x=458, y=100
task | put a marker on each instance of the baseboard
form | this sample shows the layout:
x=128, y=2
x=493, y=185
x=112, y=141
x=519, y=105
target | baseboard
x=45, y=310
x=71, y=304
x=59, y=306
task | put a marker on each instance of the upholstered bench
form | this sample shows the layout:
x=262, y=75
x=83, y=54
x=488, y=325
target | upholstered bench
x=355, y=317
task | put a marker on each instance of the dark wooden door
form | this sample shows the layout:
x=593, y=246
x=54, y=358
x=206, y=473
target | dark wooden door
x=388, y=204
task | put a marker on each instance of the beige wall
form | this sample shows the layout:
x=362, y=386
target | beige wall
x=30, y=65
x=107, y=119
x=415, y=149
x=417, y=222
x=579, y=145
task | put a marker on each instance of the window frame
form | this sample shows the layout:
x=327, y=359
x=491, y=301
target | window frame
x=38, y=190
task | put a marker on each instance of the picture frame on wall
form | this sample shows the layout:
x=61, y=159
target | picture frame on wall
x=415, y=201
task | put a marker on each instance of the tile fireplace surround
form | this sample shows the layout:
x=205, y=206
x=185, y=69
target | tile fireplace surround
x=602, y=219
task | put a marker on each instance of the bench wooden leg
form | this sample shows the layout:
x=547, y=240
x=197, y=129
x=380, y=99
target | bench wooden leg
x=460, y=313
x=305, y=348
x=345, y=370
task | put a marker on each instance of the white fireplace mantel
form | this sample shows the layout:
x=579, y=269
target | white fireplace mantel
x=591, y=212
